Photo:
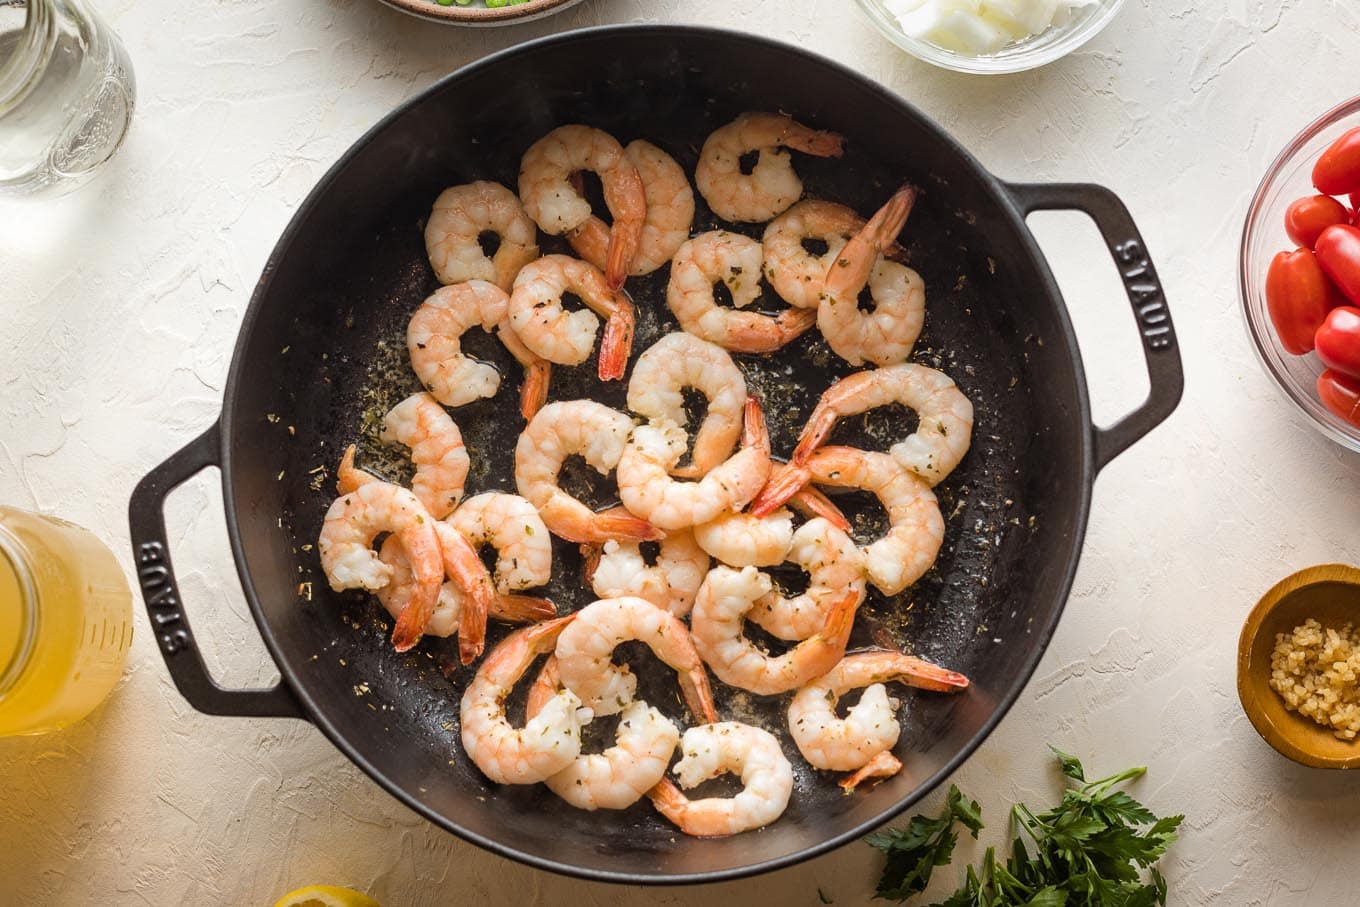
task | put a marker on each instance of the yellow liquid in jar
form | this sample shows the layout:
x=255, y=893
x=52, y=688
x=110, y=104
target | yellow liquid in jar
x=65, y=648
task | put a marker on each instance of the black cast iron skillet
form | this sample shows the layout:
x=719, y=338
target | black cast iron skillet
x=320, y=357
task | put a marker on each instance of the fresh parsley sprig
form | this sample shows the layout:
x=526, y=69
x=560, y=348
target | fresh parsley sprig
x=1091, y=850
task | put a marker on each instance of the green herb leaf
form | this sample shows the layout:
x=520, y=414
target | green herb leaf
x=914, y=852
x=1071, y=765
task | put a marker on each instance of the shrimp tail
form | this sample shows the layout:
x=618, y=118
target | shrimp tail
x=923, y=675
x=884, y=765
x=618, y=523
x=617, y=344
x=415, y=615
x=884, y=226
x=669, y=801
x=349, y=478
x=522, y=609
x=590, y=561
x=820, y=143
x=698, y=694
x=754, y=432
x=787, y=481
x=811, y=502
x=534, y=393
x=815, y=432
x=467, y=571
x=835, y=632
x=623, y=247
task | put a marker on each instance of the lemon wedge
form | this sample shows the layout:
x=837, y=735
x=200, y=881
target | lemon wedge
x=326, y=896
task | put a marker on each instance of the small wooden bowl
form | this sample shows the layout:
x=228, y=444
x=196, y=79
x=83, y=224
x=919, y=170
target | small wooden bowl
x=480, y=15
x=1330, y=594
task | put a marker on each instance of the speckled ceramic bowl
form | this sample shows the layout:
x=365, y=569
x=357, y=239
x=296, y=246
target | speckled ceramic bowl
x=478, y=15
x=1330, y=594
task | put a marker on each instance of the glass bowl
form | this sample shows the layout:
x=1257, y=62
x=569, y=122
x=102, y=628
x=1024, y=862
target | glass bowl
x=1263, y=236
x=1035, y=51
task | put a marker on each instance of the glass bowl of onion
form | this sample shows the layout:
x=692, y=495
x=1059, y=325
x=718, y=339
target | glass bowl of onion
x=990, y=37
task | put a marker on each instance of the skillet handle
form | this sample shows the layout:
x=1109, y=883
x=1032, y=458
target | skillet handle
x=151, y=553
x=1165, y=375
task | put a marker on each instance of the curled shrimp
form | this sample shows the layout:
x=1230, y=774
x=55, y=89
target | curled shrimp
x=619, y=569
x=356, y=518
x=886, y=335
x=670, y=214
x=618, y=777
x=433, y=339
x=460, y=216
x=461, y=563
x=720, y=609
x=565, y=337
x=915, y=525
x=648, y=490
x=716, y=749
x=448, y=611
x=598, y=434
x=548, y=742
x=942, y=437
x=835, y=566
x=436, y=444
x=795, y=273
x=675, y=362
x=585, y=649
x=555, y=205
x=512, y=526
x=772, y=186
x=870, y=728
x=737, y=262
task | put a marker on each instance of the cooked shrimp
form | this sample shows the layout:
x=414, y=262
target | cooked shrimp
x=598, y=434
x=670, y=214
x=514, y=609
x=548, y=742
x=725, y=599
x=735, y=260
x=680, y=360
x=461, y=563
x=557, y=335
x=716, y=749
x=744, y=540
x=420, y=423
x=585, y=648
x=915, y=526
x=433, y=340
x=884, y=765
x=773, y=185
x=511, y=525
x=828, y=741
x=461, y=215
x=671, y=583
x=618, y=777
x=886, y=335
x=555, y=205
x=941, y=438
x=647, y=489
x=356, y=518
x=796, y=274
x=835, y=566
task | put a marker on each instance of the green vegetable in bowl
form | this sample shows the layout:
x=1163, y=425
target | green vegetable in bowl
x=1088, y=851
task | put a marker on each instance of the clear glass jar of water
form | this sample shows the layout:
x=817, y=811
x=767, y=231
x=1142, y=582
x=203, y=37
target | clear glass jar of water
x=66, y=94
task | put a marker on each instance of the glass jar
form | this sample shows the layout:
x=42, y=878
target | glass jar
x=65, y=622
x=66, y=94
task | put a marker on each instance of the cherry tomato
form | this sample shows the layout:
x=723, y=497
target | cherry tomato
x=1337, y=172
x=1341, y=394
x=1308, y=217
x=1338, y=340
x=1338, y=251
x=1299, y=296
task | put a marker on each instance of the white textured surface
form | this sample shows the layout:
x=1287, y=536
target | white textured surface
x=120, y=305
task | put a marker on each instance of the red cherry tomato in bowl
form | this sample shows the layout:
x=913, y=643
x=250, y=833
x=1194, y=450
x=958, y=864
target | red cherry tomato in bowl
x=1341, y=394
x=1306, y=218
x=1338, y=251
x=1337, y=172
x=1298, y=296
x=1338, y=340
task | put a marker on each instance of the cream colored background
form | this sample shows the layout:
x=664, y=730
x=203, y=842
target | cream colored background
x=120, y=305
